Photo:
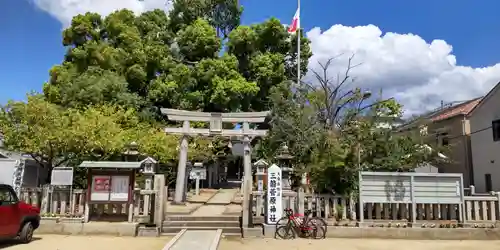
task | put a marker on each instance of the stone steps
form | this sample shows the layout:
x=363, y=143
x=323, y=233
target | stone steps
x=230, y=225
x=201, y=218
x=214, y=224
x=225, y=230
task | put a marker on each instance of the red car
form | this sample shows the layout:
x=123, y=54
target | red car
x=17, y=219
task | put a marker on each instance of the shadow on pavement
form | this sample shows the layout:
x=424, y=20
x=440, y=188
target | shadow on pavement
x=9, y=243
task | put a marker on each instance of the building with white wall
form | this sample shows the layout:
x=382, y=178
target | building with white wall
x=485, y=142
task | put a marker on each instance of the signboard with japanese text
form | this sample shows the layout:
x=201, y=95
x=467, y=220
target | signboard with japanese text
x=62, y=176
x=115, y=188
x=274, y=195
x=119, y=188
x=198, y=173
x=100, y=188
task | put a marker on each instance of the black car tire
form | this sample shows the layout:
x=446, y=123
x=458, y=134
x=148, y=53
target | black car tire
x=26, y=234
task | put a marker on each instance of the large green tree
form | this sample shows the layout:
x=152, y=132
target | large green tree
x=197, y=57
x=336, y=129
x=56, y=136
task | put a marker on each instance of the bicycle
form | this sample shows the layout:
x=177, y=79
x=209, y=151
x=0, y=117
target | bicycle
x=306, y=227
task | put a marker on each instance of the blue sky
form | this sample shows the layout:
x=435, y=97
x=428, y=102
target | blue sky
x=31, y=37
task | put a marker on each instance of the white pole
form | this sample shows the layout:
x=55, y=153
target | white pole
x=197, y=187
x=298, y=44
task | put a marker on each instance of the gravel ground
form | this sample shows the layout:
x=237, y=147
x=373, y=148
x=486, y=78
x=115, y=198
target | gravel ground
x=355, y=244
x=61, y=242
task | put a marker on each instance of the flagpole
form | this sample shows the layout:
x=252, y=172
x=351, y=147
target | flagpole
x=298, y=43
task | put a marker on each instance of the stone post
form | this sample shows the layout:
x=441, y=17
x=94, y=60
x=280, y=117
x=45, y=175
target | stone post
x=300, y=200
x=247, y=179
x=210, y=173
x=181, y=168
x=45, y=199
x=186, y=181
x=161, y=197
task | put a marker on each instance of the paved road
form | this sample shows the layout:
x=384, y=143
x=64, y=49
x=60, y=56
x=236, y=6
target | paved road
x=60, y=242
x=195, y=240
x=355, y=244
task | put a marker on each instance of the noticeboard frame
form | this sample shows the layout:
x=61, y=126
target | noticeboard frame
x=110, y=173
x=412, y=178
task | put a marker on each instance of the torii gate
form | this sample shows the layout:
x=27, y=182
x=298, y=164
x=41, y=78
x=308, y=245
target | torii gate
x=216, y=120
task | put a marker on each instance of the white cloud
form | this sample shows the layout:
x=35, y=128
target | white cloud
x=419, y=74
x=64, y=10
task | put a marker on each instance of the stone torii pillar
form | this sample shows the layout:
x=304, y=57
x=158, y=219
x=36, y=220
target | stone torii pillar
x=216, y=120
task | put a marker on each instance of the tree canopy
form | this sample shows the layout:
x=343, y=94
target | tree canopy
x=56, y=136
x=119, y=69
x=195, y=58
x=335, y=129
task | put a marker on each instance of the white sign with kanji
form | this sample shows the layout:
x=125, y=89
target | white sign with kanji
x=274, y=194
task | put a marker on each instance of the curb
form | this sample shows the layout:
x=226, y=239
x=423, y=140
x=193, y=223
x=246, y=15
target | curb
x=216, y=240
x=172, y=242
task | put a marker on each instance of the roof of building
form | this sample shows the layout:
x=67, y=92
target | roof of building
x=111, y=164
x=443, y=113
x=484, y=99
x=460, y=109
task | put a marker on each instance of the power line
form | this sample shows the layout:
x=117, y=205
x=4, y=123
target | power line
x=436, y=133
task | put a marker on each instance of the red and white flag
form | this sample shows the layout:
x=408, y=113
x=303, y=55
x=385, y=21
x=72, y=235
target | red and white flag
x=295, y=25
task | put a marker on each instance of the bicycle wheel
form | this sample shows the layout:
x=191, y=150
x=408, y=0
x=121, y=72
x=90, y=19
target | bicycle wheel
x=285, y=232
x=318, y=223
x=314, y=232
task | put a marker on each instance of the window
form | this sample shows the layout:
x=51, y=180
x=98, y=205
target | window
x=7, y=197
x=487, y=181
x=442, y=139
x=495, y=126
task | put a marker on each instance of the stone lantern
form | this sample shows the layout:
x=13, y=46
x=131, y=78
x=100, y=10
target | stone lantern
x=149, y=166
x=285, y=163
x=132, y=152
x=148, y=170
x=260, y=173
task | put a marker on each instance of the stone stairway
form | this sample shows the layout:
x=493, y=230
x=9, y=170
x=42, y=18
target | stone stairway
x=230, y=225
x=208, y=217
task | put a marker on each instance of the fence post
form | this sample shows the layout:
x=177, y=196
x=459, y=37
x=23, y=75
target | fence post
x=497, y=205
x=360, y=198
x=413, y=202
x=352, y=208
x=44, y=207
x=300, y=200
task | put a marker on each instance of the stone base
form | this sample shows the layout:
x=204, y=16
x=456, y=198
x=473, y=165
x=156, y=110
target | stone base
x=91, y=228
x=384, y=224
x=414, y=233
x=143, y=231
x=269, y=230
x=404, y=233
x=182, y=203
x=255, y=232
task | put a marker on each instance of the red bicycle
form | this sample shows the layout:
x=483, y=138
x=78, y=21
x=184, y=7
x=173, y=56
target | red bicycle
x=304, y=226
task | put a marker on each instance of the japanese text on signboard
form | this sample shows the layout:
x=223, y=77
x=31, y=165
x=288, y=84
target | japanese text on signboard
x=101, y=183
x=274, y=195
